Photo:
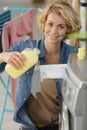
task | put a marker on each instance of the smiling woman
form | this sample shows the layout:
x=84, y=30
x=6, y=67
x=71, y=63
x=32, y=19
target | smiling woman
x=55, y=27
x=73, y=26
x=73, y=22
x=56, y=20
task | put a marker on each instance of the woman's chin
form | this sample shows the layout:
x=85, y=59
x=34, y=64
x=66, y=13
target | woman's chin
x=53, y=40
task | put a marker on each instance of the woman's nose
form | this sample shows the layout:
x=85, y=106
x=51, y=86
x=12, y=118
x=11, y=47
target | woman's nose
x=55, y=30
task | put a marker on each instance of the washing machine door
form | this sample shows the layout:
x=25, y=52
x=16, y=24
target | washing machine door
x=64, y=118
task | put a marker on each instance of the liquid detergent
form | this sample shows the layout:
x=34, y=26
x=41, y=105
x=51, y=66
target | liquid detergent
x=31, y=56
x=81, y=53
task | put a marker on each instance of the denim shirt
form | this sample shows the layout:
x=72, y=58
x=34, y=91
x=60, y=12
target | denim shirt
x=24, y=82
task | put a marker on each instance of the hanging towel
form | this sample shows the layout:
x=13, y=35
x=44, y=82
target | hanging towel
x=4, y=17
x=13, y=32
x=17, y=29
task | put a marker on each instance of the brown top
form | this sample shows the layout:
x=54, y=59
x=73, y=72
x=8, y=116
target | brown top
x=44, y=109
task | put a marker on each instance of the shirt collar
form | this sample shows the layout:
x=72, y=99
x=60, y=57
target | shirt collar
x=43, y=52
x=42, y=49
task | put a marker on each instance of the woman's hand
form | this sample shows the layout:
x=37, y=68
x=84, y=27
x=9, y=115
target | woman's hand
x=16, y=59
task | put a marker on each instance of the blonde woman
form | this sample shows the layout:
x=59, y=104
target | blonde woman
x=56, y=20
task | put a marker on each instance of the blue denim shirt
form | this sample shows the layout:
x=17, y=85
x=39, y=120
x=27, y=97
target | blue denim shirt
x=24, y=82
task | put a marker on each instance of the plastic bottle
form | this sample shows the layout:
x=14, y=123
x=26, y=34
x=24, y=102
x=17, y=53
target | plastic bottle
x=81, y=53
x=31, y=56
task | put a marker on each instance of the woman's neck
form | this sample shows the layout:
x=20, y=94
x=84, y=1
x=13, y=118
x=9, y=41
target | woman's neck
x=52, y=53
x=52, y=49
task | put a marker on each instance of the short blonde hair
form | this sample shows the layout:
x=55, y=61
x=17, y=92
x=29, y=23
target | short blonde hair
x=64, y=9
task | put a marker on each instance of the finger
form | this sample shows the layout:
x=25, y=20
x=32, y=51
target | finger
x=18, y=59
x=20, y=55
x=15, y=64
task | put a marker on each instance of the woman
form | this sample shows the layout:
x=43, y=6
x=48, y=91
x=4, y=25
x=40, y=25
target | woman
x=56, y=20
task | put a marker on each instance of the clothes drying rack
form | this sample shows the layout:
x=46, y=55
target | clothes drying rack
x=7, y=94
x=21, y=10
x=6, y=85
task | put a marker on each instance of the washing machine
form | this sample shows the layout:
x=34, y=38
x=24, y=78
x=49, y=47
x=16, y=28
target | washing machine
x=74, y=93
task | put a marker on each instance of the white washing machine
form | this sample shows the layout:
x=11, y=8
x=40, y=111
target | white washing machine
x=74, y=92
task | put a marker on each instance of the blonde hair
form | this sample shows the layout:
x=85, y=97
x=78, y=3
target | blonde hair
x=64, y=9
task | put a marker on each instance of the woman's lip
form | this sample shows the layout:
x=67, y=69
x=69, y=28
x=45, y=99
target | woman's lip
x=53, y=36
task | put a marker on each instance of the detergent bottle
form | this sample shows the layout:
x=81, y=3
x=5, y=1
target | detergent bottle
x=31, y=56
x=81, y=53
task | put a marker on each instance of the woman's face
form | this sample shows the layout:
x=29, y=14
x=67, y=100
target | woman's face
x=55, y=28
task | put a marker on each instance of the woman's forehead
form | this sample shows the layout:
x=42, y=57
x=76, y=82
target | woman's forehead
x=54, y=17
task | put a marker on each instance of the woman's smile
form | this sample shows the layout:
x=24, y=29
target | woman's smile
x=53, y=36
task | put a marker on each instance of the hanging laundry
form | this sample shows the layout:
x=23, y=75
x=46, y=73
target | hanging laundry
x=4, y=17
x=13, y=32
x=18, y=29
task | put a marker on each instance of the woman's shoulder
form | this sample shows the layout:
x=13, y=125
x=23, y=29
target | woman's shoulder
x=26, y=43
x=30, y=43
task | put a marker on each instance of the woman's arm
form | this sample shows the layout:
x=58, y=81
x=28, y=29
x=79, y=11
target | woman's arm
x=13, y=56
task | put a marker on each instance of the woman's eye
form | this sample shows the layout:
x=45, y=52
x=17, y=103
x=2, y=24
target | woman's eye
x=50, y=24
x=61, y=27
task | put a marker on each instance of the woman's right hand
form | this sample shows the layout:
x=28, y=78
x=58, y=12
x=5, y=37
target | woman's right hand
x=16, y=59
